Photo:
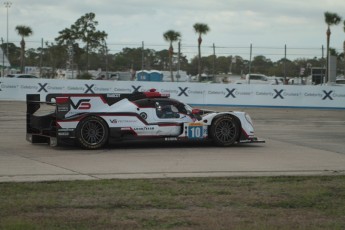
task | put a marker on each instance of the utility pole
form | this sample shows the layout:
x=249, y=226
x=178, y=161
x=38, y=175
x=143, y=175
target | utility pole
x=323, y=73
x=142, y=57
x=7, y=5
x=141, y=75
x=250, y=62
x=41, y=57
x=214, y=62
x=178, y=61
x=3, y=58
x=106, y=59
x=285, y=64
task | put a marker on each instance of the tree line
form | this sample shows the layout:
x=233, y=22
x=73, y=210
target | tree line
x=82, y=47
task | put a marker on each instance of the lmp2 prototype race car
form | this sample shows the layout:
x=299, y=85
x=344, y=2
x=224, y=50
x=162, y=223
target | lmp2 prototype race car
x=94, y=120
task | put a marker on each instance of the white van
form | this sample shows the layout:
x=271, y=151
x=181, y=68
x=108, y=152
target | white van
x=255, y=78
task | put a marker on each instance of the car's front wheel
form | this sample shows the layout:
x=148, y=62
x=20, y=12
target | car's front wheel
x=224, y=130
x=92, y=133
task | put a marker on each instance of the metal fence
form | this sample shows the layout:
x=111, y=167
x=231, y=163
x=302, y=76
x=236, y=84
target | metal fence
x=191, y=50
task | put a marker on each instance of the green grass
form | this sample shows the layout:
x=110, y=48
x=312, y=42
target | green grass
x=188, y=203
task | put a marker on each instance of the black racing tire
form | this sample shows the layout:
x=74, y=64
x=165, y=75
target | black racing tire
x=225, y=130
x=92, y=133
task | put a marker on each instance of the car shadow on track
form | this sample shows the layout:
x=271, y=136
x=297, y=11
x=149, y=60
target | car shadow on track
x=159, y=145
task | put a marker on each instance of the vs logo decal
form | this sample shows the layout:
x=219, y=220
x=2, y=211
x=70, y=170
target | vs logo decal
x=81, y=104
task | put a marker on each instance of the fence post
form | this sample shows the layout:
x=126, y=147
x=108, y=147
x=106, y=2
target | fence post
x=214, y=61
x=285, y=64
x=250, y=61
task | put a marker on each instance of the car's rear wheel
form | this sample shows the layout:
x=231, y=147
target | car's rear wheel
x=92, y=133
x=225, y=130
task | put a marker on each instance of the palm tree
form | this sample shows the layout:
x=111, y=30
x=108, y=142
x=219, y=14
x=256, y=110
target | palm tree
x=23, y=31
x=330, y=19
x=171, y=36
x=200, y=28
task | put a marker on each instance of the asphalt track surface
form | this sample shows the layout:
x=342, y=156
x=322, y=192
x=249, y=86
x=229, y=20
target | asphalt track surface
x=298, y=142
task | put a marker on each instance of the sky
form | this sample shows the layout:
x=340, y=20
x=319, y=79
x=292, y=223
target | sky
x=268, y=25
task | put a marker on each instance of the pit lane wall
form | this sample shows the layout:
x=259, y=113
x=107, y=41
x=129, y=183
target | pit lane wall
x=327, y=97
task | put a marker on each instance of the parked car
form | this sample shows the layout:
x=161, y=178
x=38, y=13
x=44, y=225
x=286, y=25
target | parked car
x=340, y=80
x=260, y=79
x=21, y=76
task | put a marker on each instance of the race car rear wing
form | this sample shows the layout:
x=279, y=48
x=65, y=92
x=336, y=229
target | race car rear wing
x=41, y=120
x=39, y=128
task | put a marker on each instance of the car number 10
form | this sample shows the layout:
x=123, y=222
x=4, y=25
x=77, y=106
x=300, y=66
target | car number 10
x=195, y=132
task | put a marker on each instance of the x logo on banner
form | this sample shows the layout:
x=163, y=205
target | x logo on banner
x=183, y=91
x=136, y=89
x=278, y=94
x=230, y=92
x=327, y=95
x=89, y=88
x=43, y=87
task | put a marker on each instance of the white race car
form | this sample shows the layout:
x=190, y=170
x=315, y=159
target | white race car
x=93, y=120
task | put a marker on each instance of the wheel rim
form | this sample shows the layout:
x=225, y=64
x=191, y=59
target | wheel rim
x=226, y=131
x=93, y=132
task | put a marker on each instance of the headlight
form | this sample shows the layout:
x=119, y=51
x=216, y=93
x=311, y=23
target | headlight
x=249, y=119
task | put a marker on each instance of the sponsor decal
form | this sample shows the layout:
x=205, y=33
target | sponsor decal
x=114, y=95
x=170, y=139
x=115, y=121
x=83, y=104
x=66, y=130
x=144, y=128
x=195, y=124
x=63, y=108
x=63, y=133
x=143, y=115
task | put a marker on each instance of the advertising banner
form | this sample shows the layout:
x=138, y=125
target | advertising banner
x=208, y=94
